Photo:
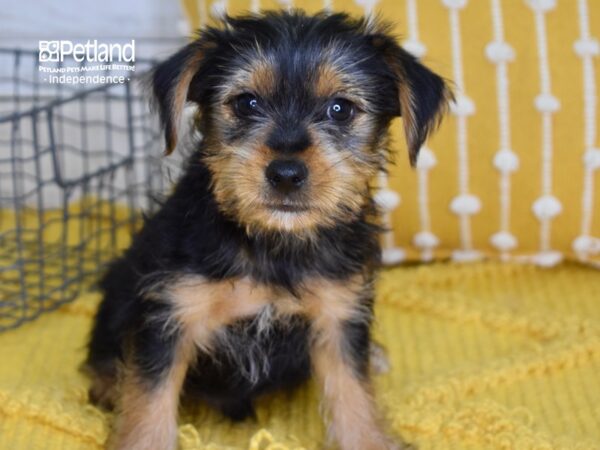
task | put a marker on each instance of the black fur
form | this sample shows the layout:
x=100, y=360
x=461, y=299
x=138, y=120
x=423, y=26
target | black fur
x=221, y=379
x=190, y=234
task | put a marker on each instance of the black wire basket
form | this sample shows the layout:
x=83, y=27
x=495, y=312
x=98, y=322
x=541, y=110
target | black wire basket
x=77, y=165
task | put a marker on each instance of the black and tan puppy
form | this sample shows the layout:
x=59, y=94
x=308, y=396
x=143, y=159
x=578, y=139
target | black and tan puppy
x=258, y=270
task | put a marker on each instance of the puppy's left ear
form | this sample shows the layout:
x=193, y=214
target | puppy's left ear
x=422, y=94
x=177, y=80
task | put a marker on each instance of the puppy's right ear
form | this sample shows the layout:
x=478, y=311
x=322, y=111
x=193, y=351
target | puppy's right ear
x=423, y=96
x=171, y=82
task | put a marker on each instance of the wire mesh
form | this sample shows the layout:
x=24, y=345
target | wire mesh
x=77, y=165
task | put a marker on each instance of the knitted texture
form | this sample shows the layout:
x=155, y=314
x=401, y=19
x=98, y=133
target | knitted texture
x=483, y=356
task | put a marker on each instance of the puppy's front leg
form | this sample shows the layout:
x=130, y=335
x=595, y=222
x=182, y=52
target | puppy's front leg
x=339, y=353
x=153, y=377
x=188, y=311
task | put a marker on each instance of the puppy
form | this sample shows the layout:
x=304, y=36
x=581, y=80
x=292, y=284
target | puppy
x=257, y=272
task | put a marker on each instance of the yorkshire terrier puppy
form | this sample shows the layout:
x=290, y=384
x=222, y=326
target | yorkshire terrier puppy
x=257, y=272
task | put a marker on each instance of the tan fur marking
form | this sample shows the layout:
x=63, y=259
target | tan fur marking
x=257, y=77
x=354, y=421
x=262, y=78
x=409, y=122
x=148, y=414
x=328, y=81
x=334, y=178
x=202, y=307
x=355, y=424
x=180, y=96
x=332, y=300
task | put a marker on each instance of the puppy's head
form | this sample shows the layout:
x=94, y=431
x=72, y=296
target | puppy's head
x=294, y=110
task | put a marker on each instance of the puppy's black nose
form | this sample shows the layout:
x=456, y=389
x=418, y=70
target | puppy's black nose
x=286, y=175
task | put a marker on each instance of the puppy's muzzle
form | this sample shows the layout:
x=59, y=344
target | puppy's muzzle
x=286, y=176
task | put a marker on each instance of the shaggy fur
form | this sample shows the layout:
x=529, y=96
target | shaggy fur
x=258, y=269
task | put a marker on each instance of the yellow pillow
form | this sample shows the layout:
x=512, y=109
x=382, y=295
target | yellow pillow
x=513, y=170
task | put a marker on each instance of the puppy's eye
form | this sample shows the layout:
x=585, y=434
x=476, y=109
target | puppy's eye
x=340, y=110
x=246, y=105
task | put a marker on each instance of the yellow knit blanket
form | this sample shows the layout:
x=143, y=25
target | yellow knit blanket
x=483, y=356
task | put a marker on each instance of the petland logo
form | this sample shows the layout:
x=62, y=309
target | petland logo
x=91, y=63
x=91, y=51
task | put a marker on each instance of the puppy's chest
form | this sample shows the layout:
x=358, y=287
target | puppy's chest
x=203, y=306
